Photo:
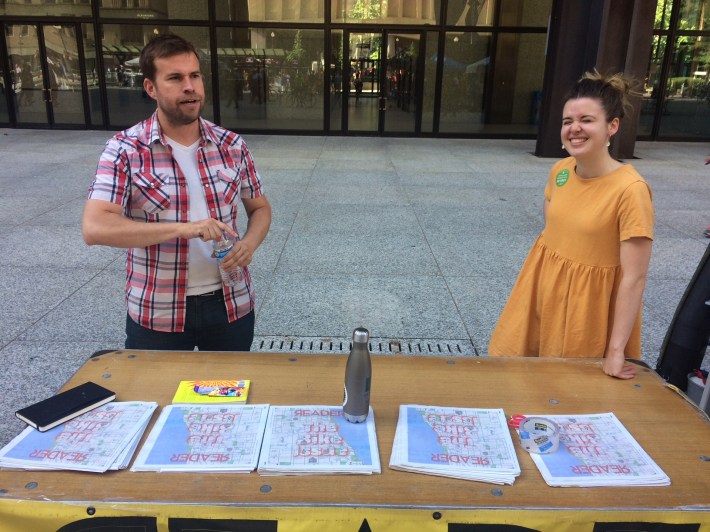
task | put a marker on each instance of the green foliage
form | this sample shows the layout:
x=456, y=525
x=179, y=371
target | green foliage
x=691, y=50
x=663, y=13
x=689, y=85
x=367, y=9
x=297, y=53
x=694, y=15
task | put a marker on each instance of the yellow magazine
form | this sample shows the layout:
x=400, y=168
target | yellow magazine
x=212, y=391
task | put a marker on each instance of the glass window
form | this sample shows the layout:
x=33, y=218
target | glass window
x=154, y=9
x=429, y=88
x=51, y=8
x=500, y=96
x=467, y=13
x=464, y=81
x=27, y=76
x=401, y=85
x=271, y=78
x=364, y=80
x=530, y=13
x=411, y=12
x=694, y=15
x=310, y=11
x=651, y=86
x=686, y=109
x=5, y=87
x=663, y=14
x=64, y=73
x=336, y=80
x=91, y=72
x=127, y=102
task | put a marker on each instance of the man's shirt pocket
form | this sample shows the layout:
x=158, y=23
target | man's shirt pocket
x=152, y=192
x=230, y=180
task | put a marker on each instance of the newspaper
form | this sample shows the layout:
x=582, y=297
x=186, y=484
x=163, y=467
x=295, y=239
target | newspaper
x=597, y=450
x=464, y=443
x=99, y=440
x=317, y=440
x=200, y=437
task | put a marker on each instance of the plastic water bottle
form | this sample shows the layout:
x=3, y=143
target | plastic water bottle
x=221, y=247
x=358, y=376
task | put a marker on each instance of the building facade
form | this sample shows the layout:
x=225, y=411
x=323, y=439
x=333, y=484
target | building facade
x=469, y=68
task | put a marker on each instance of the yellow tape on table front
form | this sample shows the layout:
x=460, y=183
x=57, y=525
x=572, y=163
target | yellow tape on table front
x=23, y=516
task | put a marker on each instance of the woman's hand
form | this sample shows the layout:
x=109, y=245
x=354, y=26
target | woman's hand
x=615, y=365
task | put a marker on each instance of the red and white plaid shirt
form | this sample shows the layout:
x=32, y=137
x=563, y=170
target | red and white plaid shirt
x=137, y=171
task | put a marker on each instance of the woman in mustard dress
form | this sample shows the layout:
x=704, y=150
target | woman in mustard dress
x=579, y=292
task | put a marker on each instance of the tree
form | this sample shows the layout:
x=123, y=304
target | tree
x=368, y=9
x=296, y=54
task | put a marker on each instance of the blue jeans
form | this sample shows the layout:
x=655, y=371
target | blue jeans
x=206, y=327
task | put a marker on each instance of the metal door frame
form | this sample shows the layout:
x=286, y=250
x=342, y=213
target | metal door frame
x=347, y=71
x=45, y=90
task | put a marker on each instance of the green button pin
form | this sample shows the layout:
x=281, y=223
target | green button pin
x=562, y=177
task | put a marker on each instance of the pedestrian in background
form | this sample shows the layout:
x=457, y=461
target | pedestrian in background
x=27, y=96
x=580, y=290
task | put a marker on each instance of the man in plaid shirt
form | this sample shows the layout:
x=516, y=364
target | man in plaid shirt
x=164, y=190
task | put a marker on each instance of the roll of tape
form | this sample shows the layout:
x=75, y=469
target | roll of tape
x=539, y=435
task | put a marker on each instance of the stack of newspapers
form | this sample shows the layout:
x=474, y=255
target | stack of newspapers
x=597, y=450
x=317, y=440
x=204, y=438
x=97, y=441
x=465, y=443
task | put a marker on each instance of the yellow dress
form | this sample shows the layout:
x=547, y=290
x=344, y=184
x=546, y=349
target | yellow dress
x=562, y=304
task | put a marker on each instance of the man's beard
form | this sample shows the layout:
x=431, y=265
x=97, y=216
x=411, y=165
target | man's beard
x=179, y=117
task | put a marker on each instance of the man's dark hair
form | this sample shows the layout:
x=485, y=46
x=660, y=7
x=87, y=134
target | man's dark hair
x=166, y=45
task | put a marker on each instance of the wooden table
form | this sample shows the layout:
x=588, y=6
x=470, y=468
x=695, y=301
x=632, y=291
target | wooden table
x=673, y=432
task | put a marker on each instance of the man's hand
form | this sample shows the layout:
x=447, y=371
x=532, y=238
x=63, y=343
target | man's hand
x=240, y=255
x=208, y=229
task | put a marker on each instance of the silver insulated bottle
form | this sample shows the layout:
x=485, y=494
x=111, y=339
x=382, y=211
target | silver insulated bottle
x=358, y=374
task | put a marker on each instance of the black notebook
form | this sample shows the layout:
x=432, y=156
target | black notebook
x=65, y=405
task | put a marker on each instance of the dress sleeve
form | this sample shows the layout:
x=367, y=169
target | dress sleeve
x=636, y=211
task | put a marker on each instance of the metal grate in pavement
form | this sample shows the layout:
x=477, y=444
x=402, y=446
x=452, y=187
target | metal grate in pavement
x=378, y=346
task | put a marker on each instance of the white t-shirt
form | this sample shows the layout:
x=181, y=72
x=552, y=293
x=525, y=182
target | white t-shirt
x=202, y=271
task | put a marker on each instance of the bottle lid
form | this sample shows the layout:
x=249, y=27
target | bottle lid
x=224, y=240
x=361, y=335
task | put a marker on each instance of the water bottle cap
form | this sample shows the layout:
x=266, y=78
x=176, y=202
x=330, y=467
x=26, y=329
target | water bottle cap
x=361, y=335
